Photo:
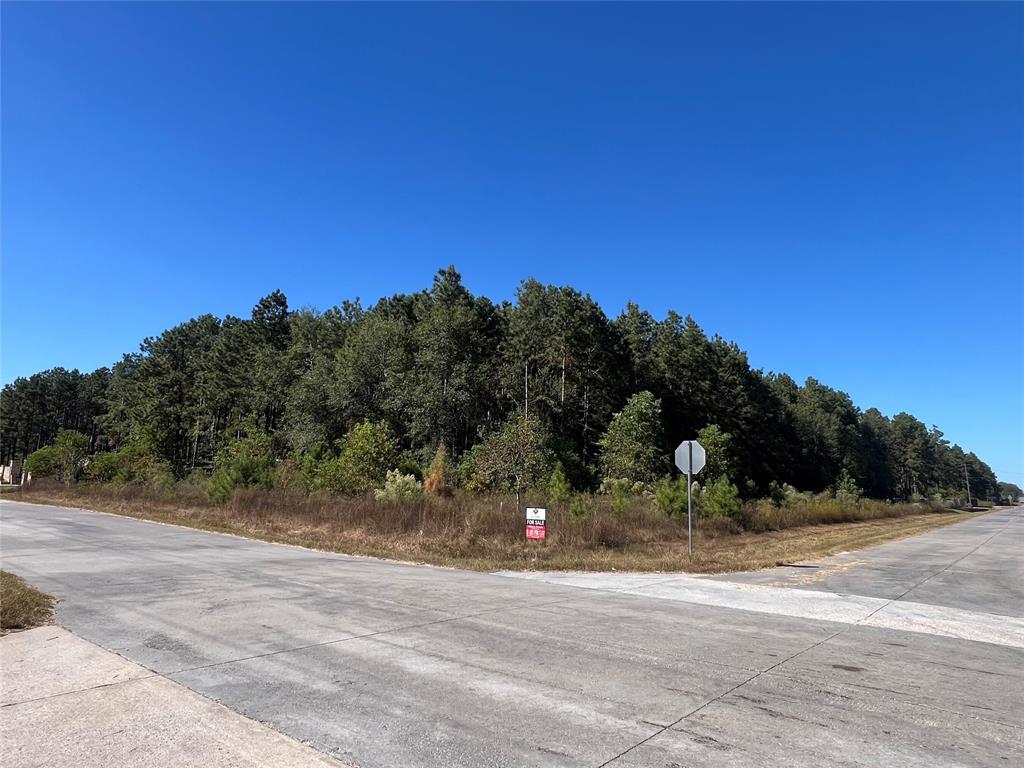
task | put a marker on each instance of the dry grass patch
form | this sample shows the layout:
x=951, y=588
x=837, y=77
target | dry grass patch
x=22, y=606
x=486, y=533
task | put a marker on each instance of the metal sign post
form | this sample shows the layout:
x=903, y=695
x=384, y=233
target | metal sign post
x=689, y=501
x=690, y=459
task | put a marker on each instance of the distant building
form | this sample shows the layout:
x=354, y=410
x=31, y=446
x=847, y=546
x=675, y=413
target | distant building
x=10, y=473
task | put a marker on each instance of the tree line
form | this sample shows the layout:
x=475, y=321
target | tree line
x=509, y=393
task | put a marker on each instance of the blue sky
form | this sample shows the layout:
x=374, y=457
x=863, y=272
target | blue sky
x=838, y=188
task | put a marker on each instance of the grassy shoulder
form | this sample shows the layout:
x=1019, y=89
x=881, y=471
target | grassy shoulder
x=486, y=533
x=22, y=606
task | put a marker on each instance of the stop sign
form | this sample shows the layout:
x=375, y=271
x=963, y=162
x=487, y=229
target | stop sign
x=690, y=450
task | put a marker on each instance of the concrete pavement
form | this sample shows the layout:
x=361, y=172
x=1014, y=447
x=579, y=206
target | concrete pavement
x=68, y=703
x=386, y=664
x=975, y=565
x=965, y=581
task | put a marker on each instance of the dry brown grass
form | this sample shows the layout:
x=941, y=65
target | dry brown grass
x=22, y=606
x=486, y=533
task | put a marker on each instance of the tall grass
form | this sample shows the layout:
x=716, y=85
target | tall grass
x=761, y=516
x=22, y=606
x=467, y=519
x=585, y=532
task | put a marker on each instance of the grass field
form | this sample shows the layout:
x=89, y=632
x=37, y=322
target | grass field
x=486, y=533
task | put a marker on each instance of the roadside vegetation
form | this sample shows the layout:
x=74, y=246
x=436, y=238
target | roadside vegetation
x=22, y=606
x=585, y=531
x=425, y=424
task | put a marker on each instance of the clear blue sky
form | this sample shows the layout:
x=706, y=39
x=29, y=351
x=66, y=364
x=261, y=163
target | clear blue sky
x=838, y=188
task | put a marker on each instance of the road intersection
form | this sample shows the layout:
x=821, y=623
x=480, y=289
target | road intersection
x=906, y=654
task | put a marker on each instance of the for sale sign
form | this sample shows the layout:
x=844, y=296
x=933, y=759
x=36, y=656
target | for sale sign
x=535, y=523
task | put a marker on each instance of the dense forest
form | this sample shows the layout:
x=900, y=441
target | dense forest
x=509, y=392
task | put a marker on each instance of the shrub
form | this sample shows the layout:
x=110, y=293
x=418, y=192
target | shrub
x=438, y=473
x=776, y=494
x=581, y=507
x=469, y=474
x=408, y=464
x=244, y=463
x=846, y=488
x=42, y=463
x=792, y=496
x=720, y=499
x=620, y=489
x=103, y=467
x=289, y=475
x=399, y=487
x=368, y=451
x=670, y=496
x=133, y=463
x=72, y=450
x=559, y=488
x=63, y=460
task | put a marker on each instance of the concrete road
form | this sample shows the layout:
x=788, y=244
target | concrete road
x=976, y=565
x=383, y=664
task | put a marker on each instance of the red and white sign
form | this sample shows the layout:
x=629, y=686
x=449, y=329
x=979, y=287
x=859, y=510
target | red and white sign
x=536, y=519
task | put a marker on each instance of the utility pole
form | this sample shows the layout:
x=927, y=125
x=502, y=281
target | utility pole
x=967, y=480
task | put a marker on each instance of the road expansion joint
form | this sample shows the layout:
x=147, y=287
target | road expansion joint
x=79, y=690
x=721, y=696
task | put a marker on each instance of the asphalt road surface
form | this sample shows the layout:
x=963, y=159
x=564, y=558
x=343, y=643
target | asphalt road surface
x=909, y=654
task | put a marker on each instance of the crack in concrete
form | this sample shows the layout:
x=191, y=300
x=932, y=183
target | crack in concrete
x=719, y=697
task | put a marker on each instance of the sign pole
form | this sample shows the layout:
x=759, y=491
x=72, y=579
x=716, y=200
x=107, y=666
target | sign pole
x=689, y=457
x=689, y=504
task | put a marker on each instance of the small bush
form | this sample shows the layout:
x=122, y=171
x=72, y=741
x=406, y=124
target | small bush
x=289, y=475
x=42, y=463
x=368, y=452
x=846, y=488
x=670, y=496
x=245, y=463
x=792, y=496
x=103, y=467
x=131, y=464
x=72, y=450
x=559, y=488
x=436, y=482
x=581, y=506
x=408, y=464
x=776, y=494
x=399, y=487
x=621, y=491
x=469, y=473
x=720, y=499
